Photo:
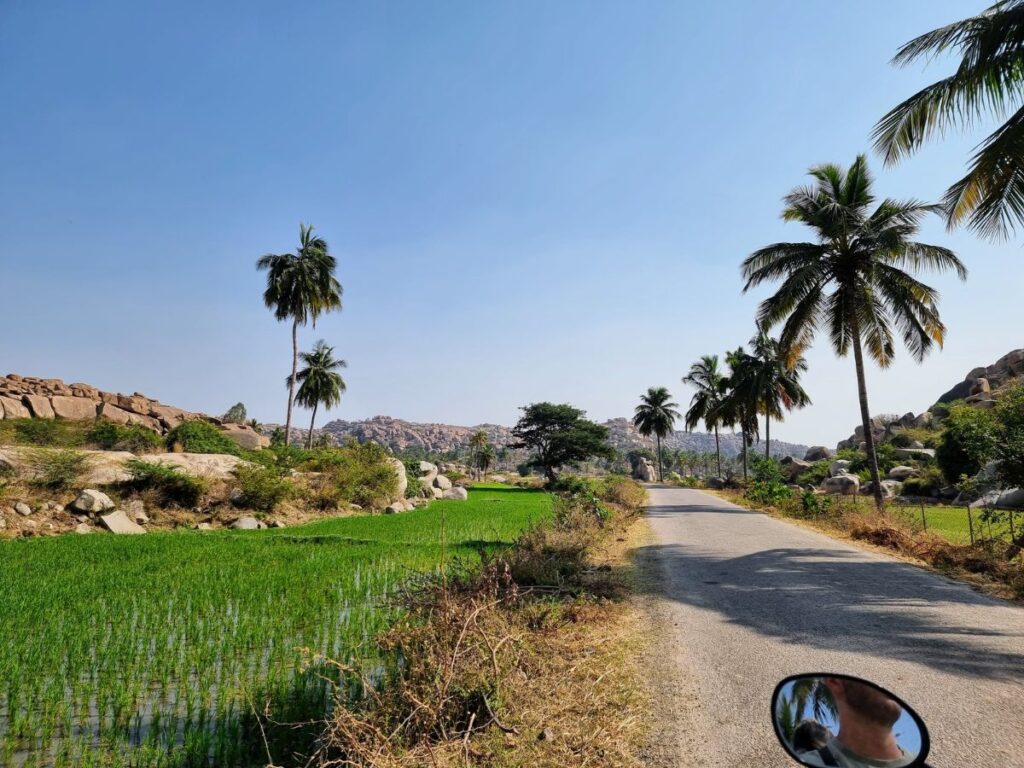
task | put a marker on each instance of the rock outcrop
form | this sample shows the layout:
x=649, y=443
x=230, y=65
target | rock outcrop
x=981, y=381
x=23, y=397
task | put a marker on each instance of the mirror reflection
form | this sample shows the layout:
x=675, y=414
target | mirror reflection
x=842, y=721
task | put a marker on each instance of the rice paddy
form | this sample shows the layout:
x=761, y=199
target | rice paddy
x=157, y=650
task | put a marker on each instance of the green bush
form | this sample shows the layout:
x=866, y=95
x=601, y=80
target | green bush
x=968, y=442
x=358, y=473
x=818, y=471
x=124, y=437
x=927, y=483
x=200, y=437
x=1010, y=415
x=261, y=488
x=172, y=486
x=808, y=504
x=57, y=469
x=767, y=485
x=43, y=432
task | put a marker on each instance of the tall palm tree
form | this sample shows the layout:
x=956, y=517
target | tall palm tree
x=709, y=381
x=855, y=277
x=656, y=415
x=320, y=382
x=484, y=459
x=774, y=381
x=476, y=443
x=988, y=80
x=738, y=406
x=300, y=287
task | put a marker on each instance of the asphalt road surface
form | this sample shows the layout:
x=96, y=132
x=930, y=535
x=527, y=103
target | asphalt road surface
x=746, y=599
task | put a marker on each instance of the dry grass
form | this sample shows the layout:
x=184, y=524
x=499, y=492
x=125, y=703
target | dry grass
x=503, y=669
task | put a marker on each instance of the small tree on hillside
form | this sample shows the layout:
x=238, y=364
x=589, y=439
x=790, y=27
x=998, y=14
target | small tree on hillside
x=1010, y=451
x=235, y=414
x=559, y=435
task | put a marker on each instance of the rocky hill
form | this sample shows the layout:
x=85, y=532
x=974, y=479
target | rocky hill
x=399, y=435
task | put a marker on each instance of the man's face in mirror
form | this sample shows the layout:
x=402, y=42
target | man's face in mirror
x=864, y=701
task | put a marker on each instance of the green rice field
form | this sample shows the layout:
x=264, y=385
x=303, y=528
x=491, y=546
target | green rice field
x=952, y=522
x=155, y=650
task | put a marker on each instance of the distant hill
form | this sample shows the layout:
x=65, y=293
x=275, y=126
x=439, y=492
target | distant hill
x=400, y=435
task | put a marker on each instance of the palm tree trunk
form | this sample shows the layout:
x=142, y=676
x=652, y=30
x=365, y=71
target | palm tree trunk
x=309, y=438
x=661, y=476
x=865, y=416
x=743, y=438
x=291, y=381
x=767, y=436
x=718, y=452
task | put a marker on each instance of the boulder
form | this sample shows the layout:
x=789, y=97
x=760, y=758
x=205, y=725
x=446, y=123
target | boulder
x=437, y=493
x=39, y=405
x=428, y=469
x=980, y=386
x=136, y=510
x=113, y=413
x=1012, y=498
x=455, y=494
x=817, y=453
x=23, y=509
x=118, y=522
x=215, y=466
x=644, y=471
x=245, y=437
x=916, y=444
x=13, y=409
x=442, y=482
x=924, y=421
x=107, y=467
x=91, y=500
x=901, y=472
x=890, y=488
x=74, y=408
x=203, y=527
x=248, y=524
x=839, y=467
x=921, y=454
x=847, y=485
x=403, y=479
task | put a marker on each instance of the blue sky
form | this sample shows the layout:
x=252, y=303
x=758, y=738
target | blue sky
x=528, y=200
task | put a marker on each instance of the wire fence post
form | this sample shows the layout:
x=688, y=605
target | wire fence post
x=970, y=524
x=924, y=520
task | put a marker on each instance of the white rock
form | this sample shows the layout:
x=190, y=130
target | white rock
x=216, y=466
x=456, y=494
x=91, y=500
x=23, y=509
x=902, y=472
x=248, y=524
x=403, y=479
x=118, y=522
x=842, y=484
x=914, y=453
x=83, y=528
x=839, y=467
x=442, y=482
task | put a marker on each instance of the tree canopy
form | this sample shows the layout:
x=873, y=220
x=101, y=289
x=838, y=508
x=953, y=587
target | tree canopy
x=558, y=435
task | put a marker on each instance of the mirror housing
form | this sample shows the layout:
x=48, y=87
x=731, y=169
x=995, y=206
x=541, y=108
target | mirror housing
x=808, y=712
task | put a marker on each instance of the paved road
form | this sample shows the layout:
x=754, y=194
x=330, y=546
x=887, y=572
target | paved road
x=749, y=599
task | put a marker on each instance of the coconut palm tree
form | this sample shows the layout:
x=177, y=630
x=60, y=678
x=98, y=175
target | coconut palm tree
x=988, y=81
x=484, y=459
x=656, y=415
x=774, y=381
x=855, y=277
x=476, y=443
x=738, y=405
x=300, y=287
x=709, y=381
x=320, y=382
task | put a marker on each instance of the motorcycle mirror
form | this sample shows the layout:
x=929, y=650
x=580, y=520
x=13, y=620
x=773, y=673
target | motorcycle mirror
x=823, y=719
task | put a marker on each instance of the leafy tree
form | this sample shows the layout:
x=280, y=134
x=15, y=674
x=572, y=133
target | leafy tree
x=988, y=80
x=235, y=414
x=709, y=381
x=559, y=435
x=319, y=382
x=969, y=440
x=656, y=415
x=300, y=287
x=854, y=278
x=1010, y=414
x=773, y=381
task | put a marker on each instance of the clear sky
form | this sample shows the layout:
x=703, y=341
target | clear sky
x=528, y=200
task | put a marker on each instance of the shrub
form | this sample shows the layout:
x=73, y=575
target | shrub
x=171, y=485
x=261, y=488
x=816, y=474
x=119, y=437
x=766, y=485
x=927, y=483
x=901, y=440
x=808, y=504
x=629, y=494
x=1010, y=415
x=42, y=432
x=358, y=473
x=967, y=443
x=200, y=437
x=57, y=469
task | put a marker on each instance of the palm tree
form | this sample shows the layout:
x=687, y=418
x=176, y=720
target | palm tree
x=300, y=287
x=709, y=382
x=855, y=277
x=484, y=459
x=774, y=381
x=476, y=443
x=656, y=415
x=988, y=80
x=320, y=383
x=738, y=406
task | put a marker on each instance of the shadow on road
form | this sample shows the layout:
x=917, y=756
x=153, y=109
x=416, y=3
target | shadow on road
x=836, y=599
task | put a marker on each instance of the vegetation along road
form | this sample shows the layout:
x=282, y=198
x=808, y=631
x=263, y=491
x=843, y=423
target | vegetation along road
x=749, y=599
